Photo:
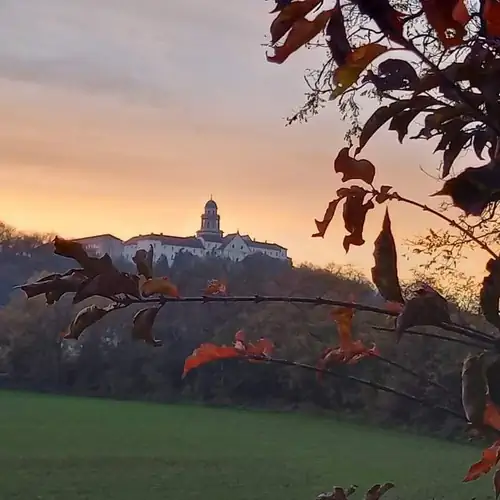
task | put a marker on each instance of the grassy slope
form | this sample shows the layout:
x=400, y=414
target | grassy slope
x=67, y=449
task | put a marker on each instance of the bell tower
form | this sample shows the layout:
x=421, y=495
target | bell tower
x=210, y=220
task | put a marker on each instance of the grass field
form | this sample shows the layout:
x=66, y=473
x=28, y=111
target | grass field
x=75, y=448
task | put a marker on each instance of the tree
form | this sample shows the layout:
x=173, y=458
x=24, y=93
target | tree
x=460, y=100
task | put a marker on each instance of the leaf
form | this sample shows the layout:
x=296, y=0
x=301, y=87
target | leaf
x=87, y=317
x=474, y=189
x=474, y=389
x=491, y=14
x=143, y=322
x=352, y=169
x=427, y=308
x=481, y=138
x=383, y=114
x=336, y=36
x=401, y=122
x=393, y=74
x=54, y=286
x=144, y=262
x=108, y=285
x=491, y=417
x=383, y=195
x=280, y=5
x=496, y=484
x=388, y=19
x=207, y=353
x=385, y=271
x=448, y=19
x=354, y=214
x=377, y=491
x=490, y=293
x=302, y=32
x=215, y=287
x=160, y=286
x=358, y=60
x=288, y=16
x=489, y=459
x=455, y=147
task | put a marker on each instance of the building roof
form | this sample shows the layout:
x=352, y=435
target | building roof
x=211, y=204
x=213, y=238
x=263, y=245
x=178, y=241
x=106, y=235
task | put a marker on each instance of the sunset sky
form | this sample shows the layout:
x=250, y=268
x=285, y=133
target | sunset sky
x=124, y=116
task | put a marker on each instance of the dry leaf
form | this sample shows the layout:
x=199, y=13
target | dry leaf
x=427, y=308
x=474, y=389
x=215, y=287
x=448, y=18
x=160, y=286
x=302, y=32
x=87, y=317
x=358, y=60
x=354, y=214
x=322, y=225
x=385, y=272
x=393, y=74
x=388, y=19
x=489, y=459
x=143, y=322
x=144, y=262
x=108, y=285
x=336, y=36
x=352, y=169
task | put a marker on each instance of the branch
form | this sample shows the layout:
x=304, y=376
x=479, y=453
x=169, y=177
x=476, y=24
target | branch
x=361, y=381
x=315, y=301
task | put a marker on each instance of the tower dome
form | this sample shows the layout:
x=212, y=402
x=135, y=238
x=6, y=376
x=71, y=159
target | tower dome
x=210, y=220
x=210, y=204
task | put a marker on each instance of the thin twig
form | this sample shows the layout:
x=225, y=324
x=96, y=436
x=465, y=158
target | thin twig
x=361, y=381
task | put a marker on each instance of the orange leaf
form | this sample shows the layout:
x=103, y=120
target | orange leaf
x=352, y=169
x=491, y=15
x=343, y=317
x=289, y=15
x=489, y=459
x=207, y=353
x=302, y=32
x=161, y=286
x=215, y=287
x=448, y=18
x=492, y=416
x=263, y=347
x=357, y=61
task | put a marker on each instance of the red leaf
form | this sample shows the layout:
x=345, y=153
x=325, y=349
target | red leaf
x=215, y=287
x=288, y=16
x=491, y=15
x=448, y=18
x=302, y=32
x=492, y=415
x=489, y=459
x=207, y=353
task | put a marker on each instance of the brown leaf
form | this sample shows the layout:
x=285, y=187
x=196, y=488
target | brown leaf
x=336, y=36
x=427, y=308
x=357, y=61
x=354, y=214
x=215, y=287
x=474, y=389
x=322, y=225
x=144, y=262
x=160, y=286
x=490, y=293
x=474, y=189
x=108, y=285
x=388, y=19
x=385, y=271
x=377, y=491
x=401, y=122
x=87, y=317
x=481, y=138
x=280, y=5
x=289, y=15
x=352, y=169
x=447, y=17
x=143, y=322
x=302, y=32
x=383, y=194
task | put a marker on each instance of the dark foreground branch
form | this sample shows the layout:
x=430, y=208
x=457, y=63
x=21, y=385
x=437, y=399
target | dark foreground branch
x=315, y=301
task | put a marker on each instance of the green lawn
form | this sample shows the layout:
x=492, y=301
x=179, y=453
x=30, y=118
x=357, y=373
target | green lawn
x=75, y=448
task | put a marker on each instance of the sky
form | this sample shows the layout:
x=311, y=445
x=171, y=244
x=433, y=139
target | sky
x=124, y=116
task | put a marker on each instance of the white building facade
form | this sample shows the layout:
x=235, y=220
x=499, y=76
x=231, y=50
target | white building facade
x=208, y=241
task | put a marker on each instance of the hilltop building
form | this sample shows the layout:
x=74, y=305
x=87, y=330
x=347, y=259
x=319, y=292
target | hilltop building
x=209, y=240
